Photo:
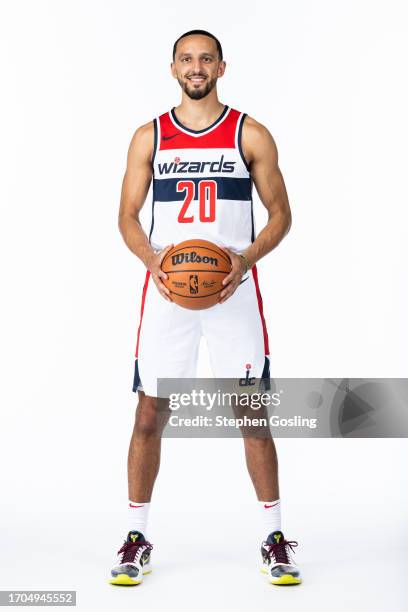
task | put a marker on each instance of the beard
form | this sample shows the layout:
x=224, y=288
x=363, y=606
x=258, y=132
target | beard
x=197, y=93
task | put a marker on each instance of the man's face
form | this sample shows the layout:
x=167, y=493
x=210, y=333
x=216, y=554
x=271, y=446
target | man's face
x=197, y=66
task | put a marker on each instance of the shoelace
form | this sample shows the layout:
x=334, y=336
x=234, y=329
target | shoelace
x=279, y=550
x=130, y=549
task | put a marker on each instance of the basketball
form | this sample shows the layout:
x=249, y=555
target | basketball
x=196, y=269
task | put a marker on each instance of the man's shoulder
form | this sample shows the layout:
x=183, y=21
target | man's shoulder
x=144, y=131
x=143, y=137
x=257, y=138
x=254, y=128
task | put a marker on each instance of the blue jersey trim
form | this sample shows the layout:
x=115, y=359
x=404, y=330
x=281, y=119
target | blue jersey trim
x=165, y=190
x=252, y=215
x=240, y=143
x=173, y=114
x=155, y=147
x=155, y=140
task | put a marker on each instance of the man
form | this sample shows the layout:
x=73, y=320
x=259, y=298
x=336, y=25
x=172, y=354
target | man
x=230, y=150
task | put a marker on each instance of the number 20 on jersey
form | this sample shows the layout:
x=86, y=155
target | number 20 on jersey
x=206, y=191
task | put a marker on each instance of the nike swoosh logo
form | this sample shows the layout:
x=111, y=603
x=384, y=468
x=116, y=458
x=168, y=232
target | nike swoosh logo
x=132, y=506
x=243, y=281
x=172, y=136
x=271, y=506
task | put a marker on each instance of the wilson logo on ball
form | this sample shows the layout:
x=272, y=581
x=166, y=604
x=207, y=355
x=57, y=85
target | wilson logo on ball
x=193, y=257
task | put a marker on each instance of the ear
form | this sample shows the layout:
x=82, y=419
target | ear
x=173, y=70
x=221, y=68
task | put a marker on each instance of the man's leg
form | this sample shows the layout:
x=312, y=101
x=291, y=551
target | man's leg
x=143, y=465
x=262, y=464
x=145, y=445
x=168, y=339
x=238, y=344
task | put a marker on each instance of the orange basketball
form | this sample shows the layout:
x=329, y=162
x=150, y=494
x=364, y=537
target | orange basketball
x=196, y=269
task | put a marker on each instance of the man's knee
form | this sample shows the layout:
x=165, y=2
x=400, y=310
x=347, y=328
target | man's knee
x=151, y=416
x=259, y=442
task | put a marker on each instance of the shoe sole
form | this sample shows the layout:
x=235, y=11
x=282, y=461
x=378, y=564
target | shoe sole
x=125, y=580
x=284, y=580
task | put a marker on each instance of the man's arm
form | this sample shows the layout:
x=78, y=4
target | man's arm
x=135, y=186
x=261, y=154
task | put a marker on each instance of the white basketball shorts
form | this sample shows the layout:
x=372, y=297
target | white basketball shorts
x=168, y=337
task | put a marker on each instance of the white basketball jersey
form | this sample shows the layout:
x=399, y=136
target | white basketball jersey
x=202, y=187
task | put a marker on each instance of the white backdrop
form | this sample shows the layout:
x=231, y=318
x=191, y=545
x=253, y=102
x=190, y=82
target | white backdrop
x=328, y=80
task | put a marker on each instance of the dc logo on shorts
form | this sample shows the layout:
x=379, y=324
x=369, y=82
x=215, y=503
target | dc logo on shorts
x=193, y=283
x=247, y=381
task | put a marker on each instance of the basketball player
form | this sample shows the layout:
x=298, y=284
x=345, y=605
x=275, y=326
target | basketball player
x=201, y=139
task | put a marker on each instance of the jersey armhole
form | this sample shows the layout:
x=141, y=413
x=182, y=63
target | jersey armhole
x=239, y=140
x=155, y=139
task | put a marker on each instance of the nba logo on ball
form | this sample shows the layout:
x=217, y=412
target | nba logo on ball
x=193, y=283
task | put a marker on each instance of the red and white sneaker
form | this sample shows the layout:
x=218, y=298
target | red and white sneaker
x=277, y=561
x=133, y=560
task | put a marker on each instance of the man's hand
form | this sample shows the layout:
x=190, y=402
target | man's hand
x=154, y=265
x=234, y=278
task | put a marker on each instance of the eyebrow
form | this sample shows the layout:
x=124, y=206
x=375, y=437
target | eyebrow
x=201, y=54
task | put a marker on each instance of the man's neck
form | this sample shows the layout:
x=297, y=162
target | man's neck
x=199, y=114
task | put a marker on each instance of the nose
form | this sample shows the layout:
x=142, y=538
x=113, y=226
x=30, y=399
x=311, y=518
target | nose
x=196, y=67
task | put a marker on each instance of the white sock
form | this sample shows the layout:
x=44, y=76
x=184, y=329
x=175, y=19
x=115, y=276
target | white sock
x=138, y=513
x=271, y=516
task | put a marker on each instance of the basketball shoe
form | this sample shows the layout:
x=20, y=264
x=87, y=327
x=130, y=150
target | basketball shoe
x=133, y=560
x=277, y=561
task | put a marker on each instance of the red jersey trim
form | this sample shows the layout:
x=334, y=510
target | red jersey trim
x=260, y=306
x=197, y=133
x=141, y=311
x=220, y=136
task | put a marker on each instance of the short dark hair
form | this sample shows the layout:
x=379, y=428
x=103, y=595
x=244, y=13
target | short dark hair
x=202, y=33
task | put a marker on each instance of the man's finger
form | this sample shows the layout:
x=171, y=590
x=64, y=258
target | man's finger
x=164, y=252
x=162, y=274
x=232, y=277
x=228, y=291
x=228, y=278
x=225, y=293
x=164, y=292
x=163, y=288
x=167, y=294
